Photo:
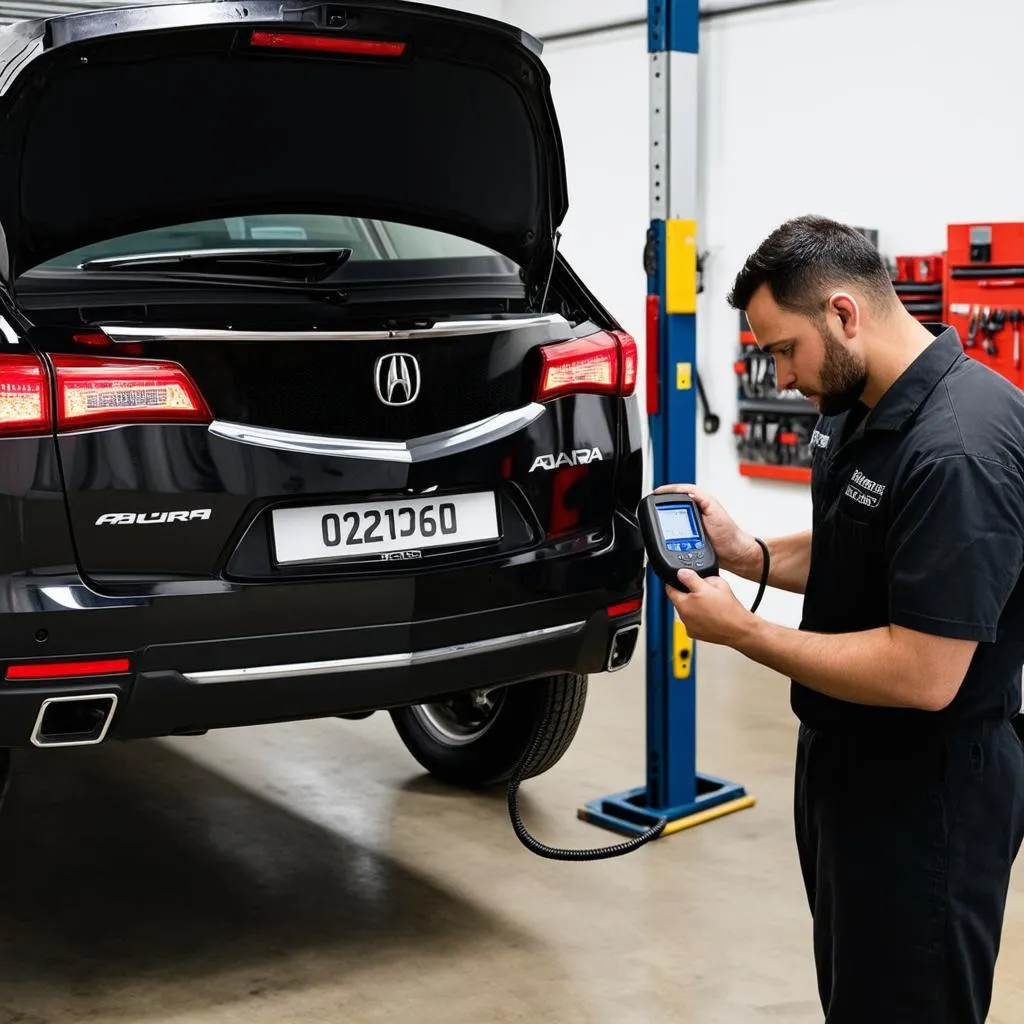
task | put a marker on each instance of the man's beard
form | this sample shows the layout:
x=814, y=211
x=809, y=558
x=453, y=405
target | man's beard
x=843, y=377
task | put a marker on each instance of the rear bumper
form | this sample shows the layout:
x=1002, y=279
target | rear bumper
x=246, y=655
x=185, y=688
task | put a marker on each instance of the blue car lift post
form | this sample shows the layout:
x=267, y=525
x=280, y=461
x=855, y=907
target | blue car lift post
x=674, y=789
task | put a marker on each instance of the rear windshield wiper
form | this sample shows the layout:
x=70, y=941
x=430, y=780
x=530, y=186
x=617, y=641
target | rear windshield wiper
x=287, y=266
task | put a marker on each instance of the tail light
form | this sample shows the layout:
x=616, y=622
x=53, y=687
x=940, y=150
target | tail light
x=625, y=608
x=94, y=391
x=97, y=339
x=24, y=396
x=630, y=361
x=605, y=363
x=326, y=44
x=67, y=669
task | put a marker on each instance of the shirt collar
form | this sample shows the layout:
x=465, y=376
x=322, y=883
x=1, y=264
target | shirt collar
x=907, y=393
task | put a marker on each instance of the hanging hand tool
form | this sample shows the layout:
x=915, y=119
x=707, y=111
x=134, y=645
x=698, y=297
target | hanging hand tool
x=711, y=420
x=742, y=370
x=983, y=318
x=993, y=325
x=972, y=326
x=1015, y=324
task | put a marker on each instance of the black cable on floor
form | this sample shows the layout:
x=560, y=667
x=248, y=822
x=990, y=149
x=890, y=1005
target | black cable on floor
x=597, y=852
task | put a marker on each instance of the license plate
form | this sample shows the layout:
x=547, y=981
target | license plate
x=383, y=528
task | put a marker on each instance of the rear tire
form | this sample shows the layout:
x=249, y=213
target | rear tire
x=467, y=744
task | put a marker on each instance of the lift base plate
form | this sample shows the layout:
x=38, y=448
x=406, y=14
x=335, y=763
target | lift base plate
x=628, y=812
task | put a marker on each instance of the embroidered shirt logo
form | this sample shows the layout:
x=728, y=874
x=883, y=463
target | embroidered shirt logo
x=820, y=440
x=864, y=490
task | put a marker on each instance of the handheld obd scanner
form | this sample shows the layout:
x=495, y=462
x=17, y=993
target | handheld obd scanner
x=674, y=536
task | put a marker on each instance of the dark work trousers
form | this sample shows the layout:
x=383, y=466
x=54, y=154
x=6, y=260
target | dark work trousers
x=906, y=844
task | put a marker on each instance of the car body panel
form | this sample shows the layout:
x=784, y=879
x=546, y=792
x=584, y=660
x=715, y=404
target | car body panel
x=406, y=391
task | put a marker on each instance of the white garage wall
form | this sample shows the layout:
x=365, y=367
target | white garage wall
x=550, y=17
x=487, y=8
x=838, y=107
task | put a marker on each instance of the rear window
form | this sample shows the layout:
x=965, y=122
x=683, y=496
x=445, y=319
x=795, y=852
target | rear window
x=369, y=240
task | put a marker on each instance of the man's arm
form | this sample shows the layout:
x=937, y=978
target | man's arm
x=790, y=562
x=886, y=667
x=739, y=553
x=955, y=551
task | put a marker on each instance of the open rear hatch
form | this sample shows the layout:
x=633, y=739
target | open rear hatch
x=118, y=121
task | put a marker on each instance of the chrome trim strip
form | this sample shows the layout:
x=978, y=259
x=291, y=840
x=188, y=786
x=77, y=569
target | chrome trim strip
x=443, y=329
x=78, y=597
x=383, y=661
x=8, y=331
x=417, y=449
x=141, y=259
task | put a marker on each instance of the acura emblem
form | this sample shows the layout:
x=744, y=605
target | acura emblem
x=397, y=379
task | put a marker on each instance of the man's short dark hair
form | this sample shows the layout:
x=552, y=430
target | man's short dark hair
x=803, y=259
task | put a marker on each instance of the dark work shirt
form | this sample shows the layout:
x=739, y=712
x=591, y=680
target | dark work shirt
x=918, y=521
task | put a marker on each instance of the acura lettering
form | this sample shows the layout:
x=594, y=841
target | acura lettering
x=152, y=518
x=579, y=457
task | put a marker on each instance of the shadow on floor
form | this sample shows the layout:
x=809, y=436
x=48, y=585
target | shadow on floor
x=130, y=870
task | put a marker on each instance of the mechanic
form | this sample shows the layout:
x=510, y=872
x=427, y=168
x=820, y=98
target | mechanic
x=906, y=668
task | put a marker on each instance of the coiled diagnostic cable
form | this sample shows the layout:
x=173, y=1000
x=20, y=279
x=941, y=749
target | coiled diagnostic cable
x=552, y=852
x=597, y=852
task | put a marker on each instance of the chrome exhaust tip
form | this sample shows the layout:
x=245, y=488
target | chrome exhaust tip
x=78, y=720
x=622, y=647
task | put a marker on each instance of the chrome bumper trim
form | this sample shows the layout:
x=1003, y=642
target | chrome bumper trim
x=442, y=329
x=418, y=449
x=407, y=659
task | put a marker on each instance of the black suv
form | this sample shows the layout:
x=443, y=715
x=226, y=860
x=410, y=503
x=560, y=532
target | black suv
x=302, y=414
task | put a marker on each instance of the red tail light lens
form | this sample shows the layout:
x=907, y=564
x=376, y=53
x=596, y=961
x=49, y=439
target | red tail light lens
x=626, y=608
x=24, y=396
x=67, y=669
x=93, y=391
x=326, y=44
x=602, y=363
x=96, y=392
x=630, y=361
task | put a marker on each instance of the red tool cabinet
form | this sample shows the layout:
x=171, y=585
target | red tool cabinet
x=985, y=293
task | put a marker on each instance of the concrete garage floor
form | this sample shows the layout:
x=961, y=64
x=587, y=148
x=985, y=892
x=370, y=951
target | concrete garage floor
x=309, y=873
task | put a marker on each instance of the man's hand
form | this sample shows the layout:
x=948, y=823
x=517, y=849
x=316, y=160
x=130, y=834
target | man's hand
x=710, y=611
x=736, y=549
x=739, y=553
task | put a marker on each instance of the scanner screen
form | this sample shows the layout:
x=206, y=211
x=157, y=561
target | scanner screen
x=679, y=527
